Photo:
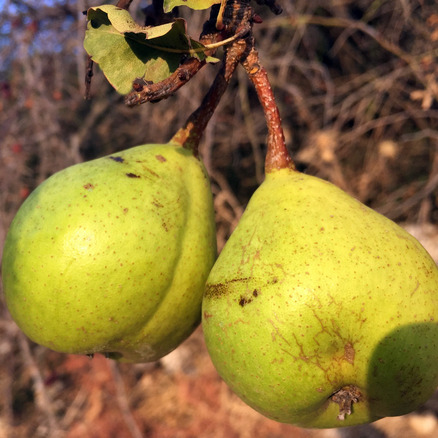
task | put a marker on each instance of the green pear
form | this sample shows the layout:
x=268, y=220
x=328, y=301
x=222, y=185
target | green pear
x=321, y=312
x=111, y=256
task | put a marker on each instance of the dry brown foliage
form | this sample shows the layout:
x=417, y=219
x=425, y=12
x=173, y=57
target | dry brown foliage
x=357, y=86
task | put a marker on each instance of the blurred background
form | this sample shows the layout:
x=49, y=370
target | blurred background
x=357, y=86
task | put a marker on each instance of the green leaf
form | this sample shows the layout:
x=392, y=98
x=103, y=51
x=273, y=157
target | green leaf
x=193, y=4
x=126, y=51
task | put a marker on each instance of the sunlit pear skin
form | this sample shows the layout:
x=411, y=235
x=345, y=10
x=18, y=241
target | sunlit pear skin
x=111, y=256
x=318, y=305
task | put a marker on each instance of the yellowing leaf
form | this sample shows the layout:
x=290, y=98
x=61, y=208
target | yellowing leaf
x=193, y=4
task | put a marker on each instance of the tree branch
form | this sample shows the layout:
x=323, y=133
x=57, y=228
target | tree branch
x=237, y=21
x=144, y=92
x=190, y=134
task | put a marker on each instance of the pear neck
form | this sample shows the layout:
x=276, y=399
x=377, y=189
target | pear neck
x=282, y=172
x=277, y=156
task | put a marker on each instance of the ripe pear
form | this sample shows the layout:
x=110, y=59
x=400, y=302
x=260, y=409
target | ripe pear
x=321, y=312
x=111, y=256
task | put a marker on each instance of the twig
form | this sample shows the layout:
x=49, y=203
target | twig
x=42, y=399
x=431, y=186
x=154, y=92
x=190, y=134
x=350, y=25
x=363, y=128
x=122, y=401
x=233, y=25
x=75, y=408
x=237, y=21
x=228, y=208
x=162, y=90
x=88, y=77
x=8, y=332
x=150, y=92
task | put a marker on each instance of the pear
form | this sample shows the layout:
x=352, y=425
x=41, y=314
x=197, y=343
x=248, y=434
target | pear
x=111, y=256
x=321, y=312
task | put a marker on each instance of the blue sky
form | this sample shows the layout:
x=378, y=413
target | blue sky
x=34, y=2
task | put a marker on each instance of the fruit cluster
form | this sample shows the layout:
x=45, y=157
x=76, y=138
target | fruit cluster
x=318, y=312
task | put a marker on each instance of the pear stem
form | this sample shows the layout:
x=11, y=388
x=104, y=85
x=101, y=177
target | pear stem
x=277, y=155
x=190, y=134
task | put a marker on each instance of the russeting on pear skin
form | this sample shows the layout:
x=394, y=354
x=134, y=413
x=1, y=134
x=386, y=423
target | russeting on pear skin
x=321, y=312
x=111, y=256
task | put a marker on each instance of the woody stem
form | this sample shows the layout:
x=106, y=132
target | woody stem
x=277, y=156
